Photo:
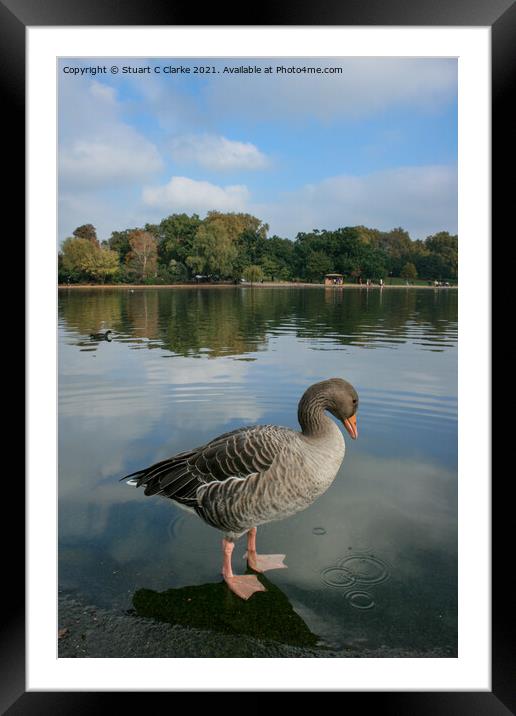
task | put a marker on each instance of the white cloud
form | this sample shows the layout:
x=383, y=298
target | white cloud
x=217, y=153
x=189, y=195
x=420, y=199
x=97, y=147
x=103, y=92
x=121, y=155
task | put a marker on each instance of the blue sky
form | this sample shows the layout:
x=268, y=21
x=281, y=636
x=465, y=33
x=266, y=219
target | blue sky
x=375, y=144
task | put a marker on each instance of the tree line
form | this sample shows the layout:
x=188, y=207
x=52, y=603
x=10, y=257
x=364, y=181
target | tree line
x=231, y=246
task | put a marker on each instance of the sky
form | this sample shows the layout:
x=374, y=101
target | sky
x=374, y=144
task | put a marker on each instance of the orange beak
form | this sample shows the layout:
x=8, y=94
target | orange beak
x=351, y=426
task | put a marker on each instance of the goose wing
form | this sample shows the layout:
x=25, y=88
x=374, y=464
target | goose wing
x=239, y=453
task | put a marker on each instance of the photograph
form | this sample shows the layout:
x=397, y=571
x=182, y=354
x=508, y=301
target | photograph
x=257, y=357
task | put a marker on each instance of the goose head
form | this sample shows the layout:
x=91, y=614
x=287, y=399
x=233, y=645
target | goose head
x=344, y=404
x=335, y=395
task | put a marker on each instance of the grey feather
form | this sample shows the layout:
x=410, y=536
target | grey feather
x=259, y=473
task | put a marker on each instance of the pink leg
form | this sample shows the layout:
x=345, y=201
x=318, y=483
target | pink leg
x=244, y=585
x=261, y=562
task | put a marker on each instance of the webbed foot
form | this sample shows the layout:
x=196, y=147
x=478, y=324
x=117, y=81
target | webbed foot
x=245, y=585
x=264, y=562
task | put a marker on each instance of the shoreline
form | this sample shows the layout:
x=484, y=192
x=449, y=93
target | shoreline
x=88, y=631
x=285, y=284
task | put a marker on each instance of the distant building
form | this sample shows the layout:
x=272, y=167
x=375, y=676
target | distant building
x=333, y=279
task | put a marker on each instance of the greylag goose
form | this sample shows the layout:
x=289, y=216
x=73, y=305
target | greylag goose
x=258, y=474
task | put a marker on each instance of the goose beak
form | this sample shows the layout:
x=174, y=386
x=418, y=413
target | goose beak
x=351, y=426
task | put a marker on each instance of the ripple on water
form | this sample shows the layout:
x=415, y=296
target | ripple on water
x=175, y=525
x=360, y=600
x=365, y=569
x=337, y=577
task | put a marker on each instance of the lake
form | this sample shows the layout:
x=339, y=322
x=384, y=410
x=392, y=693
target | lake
x=372, y=564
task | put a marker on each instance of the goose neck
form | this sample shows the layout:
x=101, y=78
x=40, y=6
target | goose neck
x=312, y=418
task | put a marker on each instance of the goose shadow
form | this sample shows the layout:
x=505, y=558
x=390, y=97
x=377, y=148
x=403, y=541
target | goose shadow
x=266, y=615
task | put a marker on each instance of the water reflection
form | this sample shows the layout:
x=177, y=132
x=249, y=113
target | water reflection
x=235, y=321
x=241, y=356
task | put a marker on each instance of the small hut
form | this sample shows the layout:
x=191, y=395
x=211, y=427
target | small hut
x=333, y=279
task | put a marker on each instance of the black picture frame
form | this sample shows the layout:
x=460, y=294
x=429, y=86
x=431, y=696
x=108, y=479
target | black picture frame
x=500, y=15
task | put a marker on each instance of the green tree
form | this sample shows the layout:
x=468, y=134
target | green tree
x=372, y=262
x=281, y=252
x=251, y=247
x=271, y=268
x=317, y=265
x=213, y=251
x=409, y=271
x=177, y=272
x=445, y=246
x=176, y=236
x=119, y=242
x=253, y=273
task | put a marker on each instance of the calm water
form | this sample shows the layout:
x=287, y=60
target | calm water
x=373, y=562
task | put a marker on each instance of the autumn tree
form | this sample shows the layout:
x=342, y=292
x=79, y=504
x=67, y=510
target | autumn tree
x=84, y=259
x=236, y=224
x=143, y=254
x=75, y=253
x=87, y=231
x=101, y=264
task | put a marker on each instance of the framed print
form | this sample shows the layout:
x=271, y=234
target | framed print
x=234, y=227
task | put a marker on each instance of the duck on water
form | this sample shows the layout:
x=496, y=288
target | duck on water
x=258, y=474
x=102, y=336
